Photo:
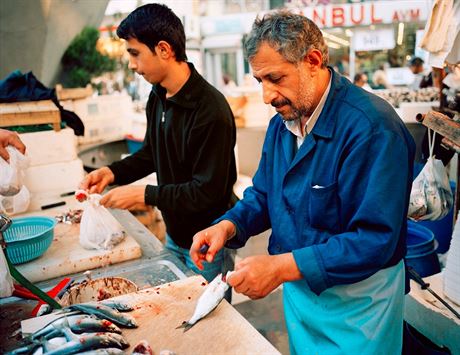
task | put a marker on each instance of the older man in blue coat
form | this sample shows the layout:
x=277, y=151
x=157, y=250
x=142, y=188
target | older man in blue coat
x=333, y=184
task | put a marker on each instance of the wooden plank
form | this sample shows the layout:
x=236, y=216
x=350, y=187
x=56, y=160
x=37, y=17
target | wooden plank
x=30, y=113
x=159, y=310
x=444, y=125
x=74, y=93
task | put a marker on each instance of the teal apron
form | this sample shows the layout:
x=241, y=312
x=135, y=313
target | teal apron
x=362, y=318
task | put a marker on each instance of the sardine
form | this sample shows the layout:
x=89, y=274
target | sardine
x=142, y=348
x=119, y=306
x=27, y=349
x=208, y=301
x=86, y=343
x=78, y=323
x=103, y=311
x=106, y=351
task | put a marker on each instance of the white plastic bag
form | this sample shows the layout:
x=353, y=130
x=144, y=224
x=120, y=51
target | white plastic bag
x=98, y=228
x=431, y=196
x=15, y=204
x=6, y=281
x=14, y=196
x=12, y=172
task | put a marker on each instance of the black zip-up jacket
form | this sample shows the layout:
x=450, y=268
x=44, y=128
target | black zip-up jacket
x=189, y=143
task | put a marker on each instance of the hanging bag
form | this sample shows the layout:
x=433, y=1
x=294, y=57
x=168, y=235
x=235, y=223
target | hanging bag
x=431, y=196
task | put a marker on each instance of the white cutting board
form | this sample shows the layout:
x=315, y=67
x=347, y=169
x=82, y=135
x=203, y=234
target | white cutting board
x=159, y=310
x=66, y=256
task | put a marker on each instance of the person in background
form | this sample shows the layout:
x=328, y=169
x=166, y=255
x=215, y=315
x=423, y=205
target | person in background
x=332, y=156
x=379, y=79
x=420, y=79
x=360, y=80
x=189, y=141
x=228, y=84
x=10, y=138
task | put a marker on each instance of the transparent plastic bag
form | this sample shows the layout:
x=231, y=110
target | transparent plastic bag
x=14, y=196
x=98, y=228
x=15, y=204
x=6, y=281
x=12, y=172
x=431, y=196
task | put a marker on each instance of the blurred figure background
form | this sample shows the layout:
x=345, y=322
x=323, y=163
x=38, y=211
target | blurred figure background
x=360, y=80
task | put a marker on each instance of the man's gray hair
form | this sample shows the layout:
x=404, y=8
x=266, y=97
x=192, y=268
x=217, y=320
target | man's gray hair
x=291, y=35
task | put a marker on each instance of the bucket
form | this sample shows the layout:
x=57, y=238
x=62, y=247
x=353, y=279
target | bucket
x=416, y=343
x=442, y=228
x=97, y=290
x=421, y=251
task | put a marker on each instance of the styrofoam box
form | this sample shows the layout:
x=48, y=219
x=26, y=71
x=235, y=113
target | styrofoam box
x=256, y=112
x=138, y=125
x=101, y=107
x=47, y=147
x=60, y=177
x=408, y=110
x=105, y=130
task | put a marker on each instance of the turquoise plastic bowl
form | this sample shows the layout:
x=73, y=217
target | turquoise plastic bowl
x=28, y=238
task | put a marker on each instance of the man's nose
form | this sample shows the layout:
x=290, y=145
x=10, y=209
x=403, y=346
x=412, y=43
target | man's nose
x=132, y=65
x=269, y=93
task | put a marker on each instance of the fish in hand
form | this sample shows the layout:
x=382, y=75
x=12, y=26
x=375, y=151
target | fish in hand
x=209, y=300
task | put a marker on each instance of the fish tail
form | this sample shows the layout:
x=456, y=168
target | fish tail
x=186, y=326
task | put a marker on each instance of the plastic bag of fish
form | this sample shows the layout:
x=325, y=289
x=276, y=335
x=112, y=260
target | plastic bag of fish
x=431, y=196
x=98, y=228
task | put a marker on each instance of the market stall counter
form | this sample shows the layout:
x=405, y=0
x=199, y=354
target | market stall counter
x=166, y=296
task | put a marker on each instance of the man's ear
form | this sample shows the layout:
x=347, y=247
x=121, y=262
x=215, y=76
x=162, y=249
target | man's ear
x=314, y=59
x=164, y=50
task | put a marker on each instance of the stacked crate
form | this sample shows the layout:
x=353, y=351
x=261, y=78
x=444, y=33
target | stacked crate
x=106, y=117
x=54, y=168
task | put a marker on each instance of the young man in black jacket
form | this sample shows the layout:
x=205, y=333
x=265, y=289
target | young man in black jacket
x=189, y=140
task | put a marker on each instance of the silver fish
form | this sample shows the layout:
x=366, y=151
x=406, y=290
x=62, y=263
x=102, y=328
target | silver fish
x=78, y=323
x=119, y=306
x=208, y=301
x=88, y=341
x=106, y=351
x=103, y=311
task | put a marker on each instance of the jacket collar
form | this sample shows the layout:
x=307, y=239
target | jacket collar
x=188, y=95
x=324, y=127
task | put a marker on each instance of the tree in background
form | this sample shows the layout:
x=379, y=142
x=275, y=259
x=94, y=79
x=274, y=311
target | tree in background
x=82, y=61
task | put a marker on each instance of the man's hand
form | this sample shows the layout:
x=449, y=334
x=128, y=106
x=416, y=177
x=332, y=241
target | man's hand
x=97, y=180
x=257, y=276
x=10, y=138
x=215, y=237
x=124, y=197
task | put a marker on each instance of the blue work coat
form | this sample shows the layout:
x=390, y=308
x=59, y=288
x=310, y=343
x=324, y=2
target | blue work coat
x=339, y=202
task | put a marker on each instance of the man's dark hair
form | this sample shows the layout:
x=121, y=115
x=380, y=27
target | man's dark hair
x=152, y=23
x=291, y=35
x=416, y=61
x=357, y=77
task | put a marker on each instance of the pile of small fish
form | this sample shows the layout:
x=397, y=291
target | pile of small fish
x=69, y=217
x=91, y=328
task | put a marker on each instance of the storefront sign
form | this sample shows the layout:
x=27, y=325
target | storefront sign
x=368, y=13
x=373, y=40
